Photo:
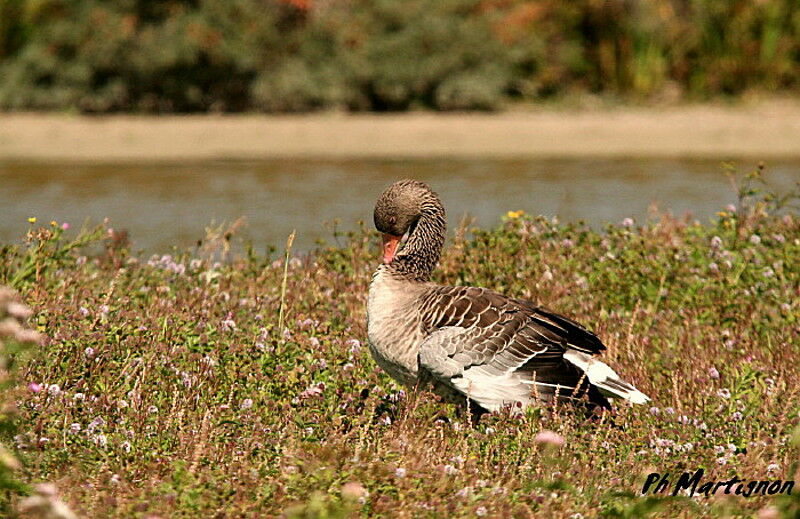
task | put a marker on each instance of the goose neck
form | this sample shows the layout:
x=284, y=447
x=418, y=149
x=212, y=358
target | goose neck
x=423, y=248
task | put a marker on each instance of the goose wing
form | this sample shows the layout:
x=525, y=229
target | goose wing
x=499, y=351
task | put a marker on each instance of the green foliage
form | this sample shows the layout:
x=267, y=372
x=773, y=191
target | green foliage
x=282, y=55
x=170, y=388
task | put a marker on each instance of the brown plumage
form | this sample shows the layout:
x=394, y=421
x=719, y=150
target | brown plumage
x=472, y=343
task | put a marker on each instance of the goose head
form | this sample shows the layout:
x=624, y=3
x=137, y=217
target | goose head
x=397, y=211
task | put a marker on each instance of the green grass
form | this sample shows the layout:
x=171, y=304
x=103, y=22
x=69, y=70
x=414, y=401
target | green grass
x=172, y=391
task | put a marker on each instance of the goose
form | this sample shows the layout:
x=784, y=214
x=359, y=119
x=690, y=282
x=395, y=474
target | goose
x=474, y=346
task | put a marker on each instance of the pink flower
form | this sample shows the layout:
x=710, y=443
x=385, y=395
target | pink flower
x=34, y=387
x=713, y=373
x=546, y=437
x=65, y=226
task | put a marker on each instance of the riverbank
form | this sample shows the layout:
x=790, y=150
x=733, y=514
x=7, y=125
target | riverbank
x=757, y=131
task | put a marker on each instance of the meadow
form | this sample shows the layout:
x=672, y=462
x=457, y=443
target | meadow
x=223, y=382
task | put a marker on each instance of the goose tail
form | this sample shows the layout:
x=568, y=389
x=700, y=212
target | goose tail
x=604, y=378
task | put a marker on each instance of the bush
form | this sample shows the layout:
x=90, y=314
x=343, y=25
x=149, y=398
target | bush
x=295, y=55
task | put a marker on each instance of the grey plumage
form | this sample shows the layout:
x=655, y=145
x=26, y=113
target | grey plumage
x=468, y=342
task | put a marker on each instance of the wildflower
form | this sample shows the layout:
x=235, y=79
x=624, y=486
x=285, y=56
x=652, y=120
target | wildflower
x=755, y=239
x=314, y=342
x=768, y=272
x=53, y=390
x=96, y=423
x=152, y=409
x=724, y=393
x=716, y=242
x=627, y=222
x=549, y=438
x=34, y=387
x=450, y=470
x=65, y=226
x=18, y=310
x=100, y=440
x=654, y=410
x=481, y=511
x=547, y=275
x=354, y=491
x=32, y=219
x=567, y=243
x=122, y=404
x=313, y=390
x=126, y=446
x=305, y=323
x=713, y=373
x=768, y=512
x=772, y=467
x=247, y=403
x=669, y=410
x=78, y=397
x=779, y=238
x=75, y=428
x=464, y=492
x=736, y=416
x=400, y=472
x=89, y=352
x=83, y=311
x=354, y=344
x=104, y=309
x=114, y=479
x=713, y=267
x=513, y=215
x=731, y=447
x=228, y=324
x=44, y=441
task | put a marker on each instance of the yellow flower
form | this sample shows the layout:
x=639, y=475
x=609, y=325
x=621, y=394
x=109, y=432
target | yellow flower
x=53, y=223
x=515, y=214
x=32, y=219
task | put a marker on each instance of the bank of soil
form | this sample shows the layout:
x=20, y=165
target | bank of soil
x=764, y=130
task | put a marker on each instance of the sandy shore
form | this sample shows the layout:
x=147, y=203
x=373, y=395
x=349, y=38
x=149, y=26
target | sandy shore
x=766, y=130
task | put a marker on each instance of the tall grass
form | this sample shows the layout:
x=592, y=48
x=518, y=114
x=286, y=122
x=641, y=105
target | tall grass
x=168, y=388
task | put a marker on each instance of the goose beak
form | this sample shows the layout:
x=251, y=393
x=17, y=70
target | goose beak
x=390, y=244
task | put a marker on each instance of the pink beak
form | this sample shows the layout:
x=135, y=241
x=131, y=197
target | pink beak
x=390, y=244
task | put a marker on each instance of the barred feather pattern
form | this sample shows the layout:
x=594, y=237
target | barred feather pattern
x=472, y=343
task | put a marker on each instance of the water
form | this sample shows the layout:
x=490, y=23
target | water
x=168, y=205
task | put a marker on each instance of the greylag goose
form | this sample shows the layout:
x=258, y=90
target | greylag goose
x=474, y=345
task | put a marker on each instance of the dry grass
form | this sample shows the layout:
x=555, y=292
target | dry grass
x=169, y=388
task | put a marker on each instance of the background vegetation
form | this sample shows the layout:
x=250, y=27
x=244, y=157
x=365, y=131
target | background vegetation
x=166, y=386
x=296, y=55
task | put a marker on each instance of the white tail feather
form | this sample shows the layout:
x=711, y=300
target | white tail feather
x=604, y=378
